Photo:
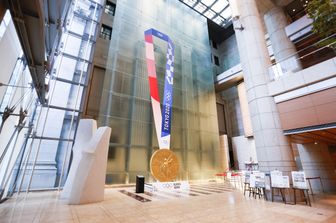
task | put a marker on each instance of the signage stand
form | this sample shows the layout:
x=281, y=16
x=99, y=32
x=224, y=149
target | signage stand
x=305, y=195
x=279, y=183
x=282, y=193
x=300, y=184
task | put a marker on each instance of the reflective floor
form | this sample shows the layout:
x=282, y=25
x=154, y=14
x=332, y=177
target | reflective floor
x=204, y=202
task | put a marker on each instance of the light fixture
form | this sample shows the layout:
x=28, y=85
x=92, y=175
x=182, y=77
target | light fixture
x=237, y=26
x=241, y=28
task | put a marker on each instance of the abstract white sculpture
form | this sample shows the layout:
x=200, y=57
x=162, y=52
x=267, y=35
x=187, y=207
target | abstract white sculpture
x=86, y=179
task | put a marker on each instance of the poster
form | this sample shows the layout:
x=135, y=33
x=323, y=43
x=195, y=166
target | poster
x=279, y=181
x=276, y=178
x=285, y=182
x=259, y=179
x=246, y=175
x=299, y=180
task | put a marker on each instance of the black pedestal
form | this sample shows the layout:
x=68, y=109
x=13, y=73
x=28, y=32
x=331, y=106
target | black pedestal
x=140, y=184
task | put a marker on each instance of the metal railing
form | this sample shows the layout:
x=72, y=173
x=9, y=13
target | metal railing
x=311, y=55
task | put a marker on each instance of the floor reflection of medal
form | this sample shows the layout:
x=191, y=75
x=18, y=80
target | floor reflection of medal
x=164, y=163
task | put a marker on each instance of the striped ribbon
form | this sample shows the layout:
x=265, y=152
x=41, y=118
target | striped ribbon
x=163, y=131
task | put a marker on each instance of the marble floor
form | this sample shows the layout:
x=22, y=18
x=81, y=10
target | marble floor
x=204, y=202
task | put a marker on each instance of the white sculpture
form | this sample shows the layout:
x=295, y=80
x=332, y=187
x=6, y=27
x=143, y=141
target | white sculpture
x=86, y=179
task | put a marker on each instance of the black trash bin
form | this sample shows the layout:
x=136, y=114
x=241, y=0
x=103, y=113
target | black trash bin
x=140, y=184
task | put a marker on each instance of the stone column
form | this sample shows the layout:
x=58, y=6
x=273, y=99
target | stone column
x=283, y=49
x=273, y=148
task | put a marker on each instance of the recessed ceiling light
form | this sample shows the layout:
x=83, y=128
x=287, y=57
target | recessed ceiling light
x=293, y=10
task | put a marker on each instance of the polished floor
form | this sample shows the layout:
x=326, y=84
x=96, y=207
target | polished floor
x=204, y=202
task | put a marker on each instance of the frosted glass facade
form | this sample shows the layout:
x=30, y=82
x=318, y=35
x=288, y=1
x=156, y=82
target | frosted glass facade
x=125, y=104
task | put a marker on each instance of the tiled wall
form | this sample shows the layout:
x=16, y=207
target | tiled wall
x=313, y=109
x=317, y=161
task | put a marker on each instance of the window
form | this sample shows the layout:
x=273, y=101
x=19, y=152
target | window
x=110, y=8
x=216, y=60
x=214, y=44
x=106, y=32
x=4, y=23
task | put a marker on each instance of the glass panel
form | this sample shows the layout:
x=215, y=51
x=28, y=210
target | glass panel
x=116, y=159
x=138, y=160
x=126, y=106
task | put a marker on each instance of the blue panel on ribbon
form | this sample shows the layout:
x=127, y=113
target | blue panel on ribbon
x=168, y=91
x=168, y=87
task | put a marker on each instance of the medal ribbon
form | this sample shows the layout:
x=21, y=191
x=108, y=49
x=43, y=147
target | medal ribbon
x=163, y=132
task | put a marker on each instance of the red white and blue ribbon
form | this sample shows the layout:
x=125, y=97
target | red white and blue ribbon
x=162, y=121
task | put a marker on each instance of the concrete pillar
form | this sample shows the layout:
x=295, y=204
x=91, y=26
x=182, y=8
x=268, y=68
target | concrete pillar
x=273, y=148
x=224, y=152
x=283, y=49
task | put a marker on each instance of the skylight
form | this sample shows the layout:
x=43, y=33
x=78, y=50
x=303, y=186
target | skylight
x=216, y=10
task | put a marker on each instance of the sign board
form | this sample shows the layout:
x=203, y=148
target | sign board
x=162, y=186
x=285, y=181
x=299, y=180
x=257, y=179
x=246, y=175
x=277, y=180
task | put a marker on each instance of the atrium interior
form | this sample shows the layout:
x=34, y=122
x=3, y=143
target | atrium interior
x=222, y=110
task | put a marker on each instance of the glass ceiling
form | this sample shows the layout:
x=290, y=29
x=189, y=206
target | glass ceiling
x=218, y=11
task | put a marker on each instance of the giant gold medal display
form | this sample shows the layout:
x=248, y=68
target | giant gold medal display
x=164, y=165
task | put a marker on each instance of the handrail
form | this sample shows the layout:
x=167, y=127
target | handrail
x=315, y=44
x=292, y=63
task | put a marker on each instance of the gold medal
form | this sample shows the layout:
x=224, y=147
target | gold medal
x=164, y=165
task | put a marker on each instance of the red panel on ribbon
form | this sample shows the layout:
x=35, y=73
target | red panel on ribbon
x=154, y=91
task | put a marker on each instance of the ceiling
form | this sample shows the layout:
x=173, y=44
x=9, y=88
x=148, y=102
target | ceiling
x=218, y=11
x=327, y=136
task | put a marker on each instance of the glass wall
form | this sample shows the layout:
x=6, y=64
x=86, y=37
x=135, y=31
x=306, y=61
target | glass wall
x=125, y=104
x=38, y=157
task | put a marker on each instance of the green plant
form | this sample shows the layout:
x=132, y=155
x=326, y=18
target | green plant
x=323, y=13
